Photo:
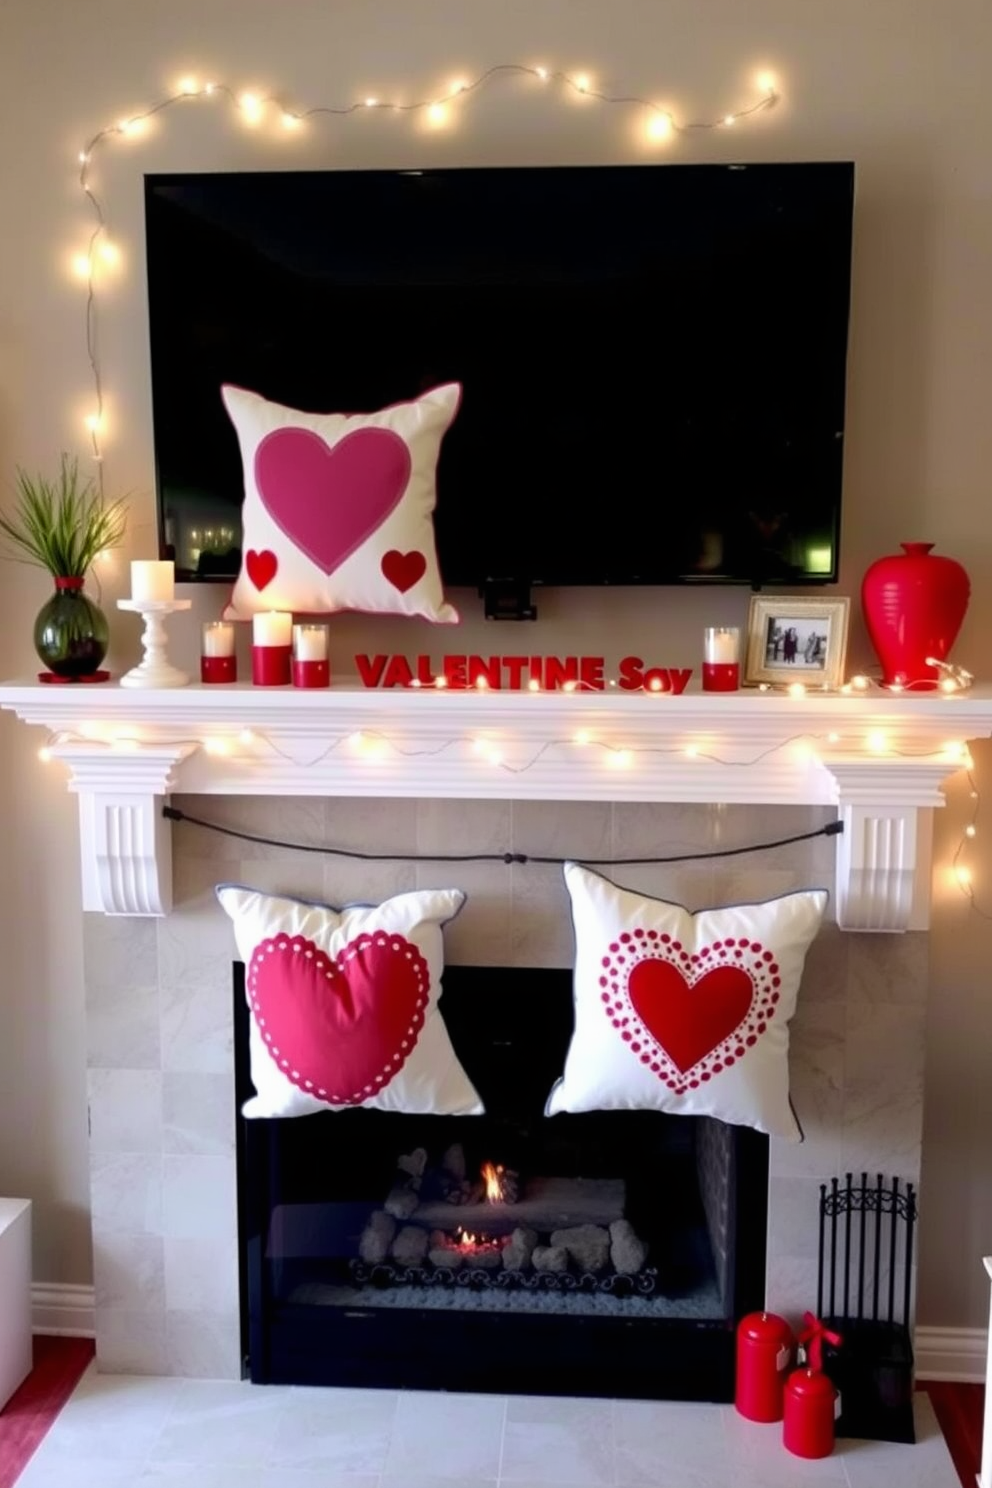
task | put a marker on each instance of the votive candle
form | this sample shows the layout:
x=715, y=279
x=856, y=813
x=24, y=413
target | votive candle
x=218, y=662
x=721, y=658
x=311, y=667
x=272, y=634
x=152, y=581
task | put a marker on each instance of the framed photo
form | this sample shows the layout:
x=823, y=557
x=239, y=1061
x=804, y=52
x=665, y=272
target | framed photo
x=796, y=640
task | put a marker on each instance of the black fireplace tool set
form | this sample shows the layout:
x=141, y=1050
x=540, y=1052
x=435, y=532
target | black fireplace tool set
x=864, y=1293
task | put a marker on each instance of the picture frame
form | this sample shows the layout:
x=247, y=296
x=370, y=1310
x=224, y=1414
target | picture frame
x=796, y=639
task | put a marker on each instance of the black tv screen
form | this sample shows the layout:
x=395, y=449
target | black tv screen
x=652, y=357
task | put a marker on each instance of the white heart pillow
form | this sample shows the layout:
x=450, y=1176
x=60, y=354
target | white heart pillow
x=344, y=1004
x=338, y=509
x=685, y=1013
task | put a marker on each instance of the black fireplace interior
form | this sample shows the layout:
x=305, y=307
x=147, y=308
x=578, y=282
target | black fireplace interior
x=610, y=1253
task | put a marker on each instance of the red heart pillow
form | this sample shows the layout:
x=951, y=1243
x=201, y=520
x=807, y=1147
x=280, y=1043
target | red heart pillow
x=344, y=1004
x=684, y=1012
x=339, y=508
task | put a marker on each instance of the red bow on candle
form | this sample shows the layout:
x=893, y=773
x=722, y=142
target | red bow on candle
x=814, y=1335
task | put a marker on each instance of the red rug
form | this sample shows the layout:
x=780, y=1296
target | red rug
x=58, y=1364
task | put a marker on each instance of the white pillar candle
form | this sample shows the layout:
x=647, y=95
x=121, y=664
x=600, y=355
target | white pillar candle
x=218, y=638
x=153, y=582
x=720, y=644
x=273, y=628
x=310, y=642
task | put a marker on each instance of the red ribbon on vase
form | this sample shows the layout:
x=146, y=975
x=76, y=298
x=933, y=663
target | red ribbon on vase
x=814, y=1335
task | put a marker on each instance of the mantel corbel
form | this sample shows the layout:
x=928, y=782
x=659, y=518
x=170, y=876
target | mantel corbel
x=125, y=845
x=884, y=854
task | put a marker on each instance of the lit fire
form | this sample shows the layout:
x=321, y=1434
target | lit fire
x=472, y=1244
x=492, y=1177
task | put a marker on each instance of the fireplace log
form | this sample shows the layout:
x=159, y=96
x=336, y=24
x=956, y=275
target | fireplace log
x=519, y=1248
x=587, y=1245
x=453, y=1162
x=627, y=1251
x=413, y=1165
x=545, y=1204
x=550, y=1258
x=410, y=1246
x=402, y=1202
x=377, y=1237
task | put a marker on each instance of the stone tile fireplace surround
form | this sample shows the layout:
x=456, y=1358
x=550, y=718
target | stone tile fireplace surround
x=158, y=960
x=160, y=1039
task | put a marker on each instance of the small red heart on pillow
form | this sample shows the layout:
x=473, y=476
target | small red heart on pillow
x=403, y=570
x=262, y=567
x=339, y=1029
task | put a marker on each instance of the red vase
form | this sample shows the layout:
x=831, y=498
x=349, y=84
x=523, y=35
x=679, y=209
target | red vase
x=913, y=605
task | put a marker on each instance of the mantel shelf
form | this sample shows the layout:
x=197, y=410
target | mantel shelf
x=879, y=758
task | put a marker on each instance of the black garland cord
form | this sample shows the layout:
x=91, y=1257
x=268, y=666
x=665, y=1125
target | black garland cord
x=172, y=813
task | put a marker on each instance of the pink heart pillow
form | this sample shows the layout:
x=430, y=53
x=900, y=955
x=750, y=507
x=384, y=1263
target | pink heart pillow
x=338, y=510
x=686, y=1013
x=344, y=1004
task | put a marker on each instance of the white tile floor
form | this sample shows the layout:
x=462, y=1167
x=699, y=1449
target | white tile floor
x=118, y=1431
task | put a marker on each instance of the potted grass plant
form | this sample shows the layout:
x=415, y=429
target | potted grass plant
x=62, y=525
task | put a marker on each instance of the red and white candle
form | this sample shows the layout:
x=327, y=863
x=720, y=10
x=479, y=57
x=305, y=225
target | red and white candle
x=218, y=661
x=271, y=649
x=311, y=664
x=721, y=658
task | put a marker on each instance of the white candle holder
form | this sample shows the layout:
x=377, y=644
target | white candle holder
x=155, y=670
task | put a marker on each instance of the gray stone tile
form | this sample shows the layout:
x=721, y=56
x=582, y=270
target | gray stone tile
x=541, y=919
x=128, y=1271
x=201, y=1275
x=463, y=826
x=883, y=1103
x=694, y=1453
x=479, y=935
x=121, y=971
x=554, y=1440
x=198, y=1113
x=221, y=1423
x=336, y=1430
x=126, y=1194
x=131, y=1341
x=125, y=1109
x=447, y=1436
x=198, y=1197
x=197, y=1023
x=889, y=968
x=564, y=829
x=204, y=1345
x=372, y=825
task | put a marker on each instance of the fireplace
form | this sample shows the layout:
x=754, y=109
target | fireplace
x=597, y=1254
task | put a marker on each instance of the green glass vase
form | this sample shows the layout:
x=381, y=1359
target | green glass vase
x=71, y=634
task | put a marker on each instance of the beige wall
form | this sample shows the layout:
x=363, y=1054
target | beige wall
x=898, y=87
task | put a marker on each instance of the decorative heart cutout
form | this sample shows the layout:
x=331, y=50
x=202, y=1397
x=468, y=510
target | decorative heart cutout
x=328, y=499
x=339, y=1030
x=403, y=569
x=688, y=1016
x=262, y=567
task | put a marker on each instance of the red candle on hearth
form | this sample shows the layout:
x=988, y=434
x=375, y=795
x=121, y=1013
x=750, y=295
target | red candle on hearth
x=810, y=1407
x=764, y=1353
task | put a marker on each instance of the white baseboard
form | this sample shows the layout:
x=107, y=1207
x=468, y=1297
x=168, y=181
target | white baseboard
x=69, y=1311
x=956, y=1354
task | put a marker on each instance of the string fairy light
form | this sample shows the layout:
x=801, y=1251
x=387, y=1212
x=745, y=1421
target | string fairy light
x=375, y=744
x=253, y=107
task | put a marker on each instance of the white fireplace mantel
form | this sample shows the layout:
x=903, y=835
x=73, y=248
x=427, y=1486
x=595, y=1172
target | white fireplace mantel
x=879, y=758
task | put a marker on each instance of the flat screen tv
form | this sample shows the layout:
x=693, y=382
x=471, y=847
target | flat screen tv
x=652, y=357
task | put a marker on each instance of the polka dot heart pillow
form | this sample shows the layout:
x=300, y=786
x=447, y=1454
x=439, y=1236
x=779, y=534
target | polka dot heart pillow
x=338, y=510
x=685, y=1013
x=344, y=1004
